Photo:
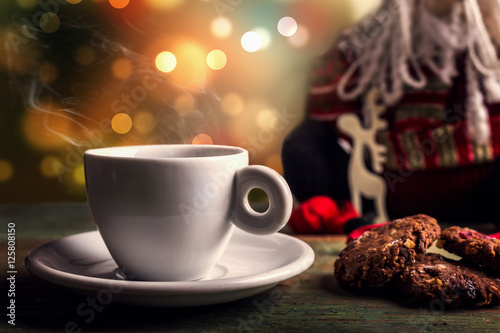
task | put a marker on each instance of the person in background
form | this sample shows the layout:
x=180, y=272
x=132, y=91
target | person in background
x=435, y=64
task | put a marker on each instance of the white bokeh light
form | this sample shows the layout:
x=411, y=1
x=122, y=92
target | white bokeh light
x=265, y=37
x=287, y=26
x=166, y=61
x=221, y=27
x=251, y=41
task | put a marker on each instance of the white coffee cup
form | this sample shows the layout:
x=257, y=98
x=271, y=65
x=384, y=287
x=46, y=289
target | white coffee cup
x=166, y=212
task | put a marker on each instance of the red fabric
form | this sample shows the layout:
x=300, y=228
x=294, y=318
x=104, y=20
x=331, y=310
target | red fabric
x=346, y=212
x=359, y=231
x=321, y=214
x=496, y=235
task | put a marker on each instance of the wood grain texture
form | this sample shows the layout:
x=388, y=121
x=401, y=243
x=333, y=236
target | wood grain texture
x=309, y=302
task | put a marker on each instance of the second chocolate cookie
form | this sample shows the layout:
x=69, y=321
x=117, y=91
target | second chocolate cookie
x=372, y=259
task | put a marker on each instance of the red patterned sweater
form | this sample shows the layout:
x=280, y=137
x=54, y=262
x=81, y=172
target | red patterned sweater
x=429, y=152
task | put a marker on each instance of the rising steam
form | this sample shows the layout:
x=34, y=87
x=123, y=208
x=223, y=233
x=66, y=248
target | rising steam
x=81, y=89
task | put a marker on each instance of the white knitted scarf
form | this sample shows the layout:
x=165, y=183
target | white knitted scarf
x=412, y=37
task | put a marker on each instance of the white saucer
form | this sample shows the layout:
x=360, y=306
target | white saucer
x=250, y=265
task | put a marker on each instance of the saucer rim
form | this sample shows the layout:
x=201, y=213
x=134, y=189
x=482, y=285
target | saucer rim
x=302, y=262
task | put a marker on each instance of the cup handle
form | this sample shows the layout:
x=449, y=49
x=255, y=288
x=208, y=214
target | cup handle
x=280, y=200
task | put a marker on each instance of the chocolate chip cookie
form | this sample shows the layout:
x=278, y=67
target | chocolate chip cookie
x=478, y=249
x=372, y=259
x=441, y=283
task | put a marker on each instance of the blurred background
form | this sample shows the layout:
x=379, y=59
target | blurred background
x=85, y=74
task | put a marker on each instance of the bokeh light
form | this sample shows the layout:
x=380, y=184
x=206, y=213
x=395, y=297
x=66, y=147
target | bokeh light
x=144, y=122
x=265, y=118
x=47, y=72
x=287, y=26
x=265, y=37
x=85, y=55
x=191, y=69
x=50, y=166
x=50, y=22
x=251, y=41
x=166, y=62
x=6, y=170
x=122, y=68
x=232, y=104
x=164, y=4
x=206, y=69
x=184, y=104
x=300, y=38
x=47, y=129
x=79, y=174
x=121, y=123
x=216, y=59
x=221, y=27
x=202, y=139
x=27, y=4
x=119, y=4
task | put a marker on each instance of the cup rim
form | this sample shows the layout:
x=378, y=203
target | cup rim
x=228, y=151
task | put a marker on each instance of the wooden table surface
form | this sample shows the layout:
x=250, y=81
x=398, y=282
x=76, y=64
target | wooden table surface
x=310, y=302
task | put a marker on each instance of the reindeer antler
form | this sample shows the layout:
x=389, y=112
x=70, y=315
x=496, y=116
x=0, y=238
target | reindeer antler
x=377, y=150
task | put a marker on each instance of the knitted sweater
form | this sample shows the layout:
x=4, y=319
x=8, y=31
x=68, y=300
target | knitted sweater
x=432, y=163
x=427, y=128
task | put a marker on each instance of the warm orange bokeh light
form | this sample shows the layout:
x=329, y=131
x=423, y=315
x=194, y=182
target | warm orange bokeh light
x=121, y=123
x=191, y=64
x=122, y=68
x=6, y=170
x=184, y=104
x=232, y=104
x=202, y=139
x=119, y=4
x=50, y=166
x=48, y=129
x=164, y=4
x=144, y=122
x=265, y=118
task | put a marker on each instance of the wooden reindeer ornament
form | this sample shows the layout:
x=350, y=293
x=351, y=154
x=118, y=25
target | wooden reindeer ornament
x=362, y=181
